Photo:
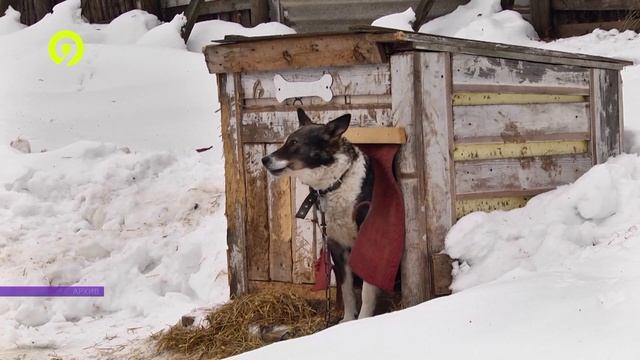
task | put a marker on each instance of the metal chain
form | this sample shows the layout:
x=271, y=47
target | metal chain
x=321, y=204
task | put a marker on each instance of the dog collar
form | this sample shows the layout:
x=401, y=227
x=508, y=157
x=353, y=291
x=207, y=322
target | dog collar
x=312, y=198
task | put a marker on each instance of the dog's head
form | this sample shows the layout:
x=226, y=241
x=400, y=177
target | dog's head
x=310, y=146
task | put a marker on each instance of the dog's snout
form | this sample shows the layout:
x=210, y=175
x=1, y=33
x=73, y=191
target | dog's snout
x=266, y=160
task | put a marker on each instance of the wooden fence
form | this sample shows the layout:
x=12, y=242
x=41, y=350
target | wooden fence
x=95, y=11
x=565, y=18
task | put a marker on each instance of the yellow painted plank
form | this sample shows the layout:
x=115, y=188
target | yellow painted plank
x=467, y=206
x=485, y=98
x=489, y=151
x=376, y=135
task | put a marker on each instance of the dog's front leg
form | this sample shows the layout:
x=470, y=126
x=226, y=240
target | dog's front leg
x=348, y=296
x=369, y=297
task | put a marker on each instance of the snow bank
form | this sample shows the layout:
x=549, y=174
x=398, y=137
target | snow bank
x=129, y=27
x=111, y=192
x=167, y=35
x=146, y=226
x=10, y=22
x=552, y=230
x=207, y=32
x=483, y=20
x=477, y=20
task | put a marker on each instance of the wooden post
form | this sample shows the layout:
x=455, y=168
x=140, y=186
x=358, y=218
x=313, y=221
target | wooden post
x=508, y=4
x=192, y=12
x=606, y=114
x=541, y=18
x=4, y=4
x=422, y=11
x=405, y=90
x=435, y=108
x=235, y=183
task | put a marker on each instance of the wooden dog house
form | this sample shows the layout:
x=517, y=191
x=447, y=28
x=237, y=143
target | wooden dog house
x=487, y=127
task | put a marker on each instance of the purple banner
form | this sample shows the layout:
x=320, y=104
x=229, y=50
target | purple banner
x=52, y=291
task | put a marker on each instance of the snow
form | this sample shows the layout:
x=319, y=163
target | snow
x=101, y=184
x=400, y=21
x=483, y=20
x=207, y=32
x=129, y=27
x=10, y=22
x=166, y=35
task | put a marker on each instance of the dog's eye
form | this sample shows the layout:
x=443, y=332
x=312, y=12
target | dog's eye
x=292, y=142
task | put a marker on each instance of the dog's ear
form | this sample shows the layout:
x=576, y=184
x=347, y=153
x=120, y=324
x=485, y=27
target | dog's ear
x=303, y=119
x=335, y=128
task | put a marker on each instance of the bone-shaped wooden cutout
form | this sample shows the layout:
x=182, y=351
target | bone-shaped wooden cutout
x=320, y=88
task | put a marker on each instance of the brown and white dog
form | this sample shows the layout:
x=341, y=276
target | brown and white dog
x=323, y=159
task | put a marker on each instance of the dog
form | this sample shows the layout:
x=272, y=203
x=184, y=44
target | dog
x=321, y=158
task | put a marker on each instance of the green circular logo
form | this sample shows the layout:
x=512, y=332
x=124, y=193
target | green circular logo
x=64, y=40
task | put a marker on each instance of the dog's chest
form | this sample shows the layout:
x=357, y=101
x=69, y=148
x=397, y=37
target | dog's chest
x=340, y=224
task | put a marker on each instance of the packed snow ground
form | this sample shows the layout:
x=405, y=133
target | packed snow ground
x=111, y=191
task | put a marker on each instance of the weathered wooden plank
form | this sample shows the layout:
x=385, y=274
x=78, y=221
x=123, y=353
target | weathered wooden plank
x=378, y=135
x=344, y=103
x=517, y=123
x=541, y=17
x=259, y=12
x=296, y=53
x=621, y=111
x=437, y=130
x=257, y=220
x=595, y=5
x=466, y=99
x=402, y=98
x=280, y=225
x=235, y=206
x=519, y=174
x=521, y=89
x=497, y=50
x=467, y=206
x=487, y=151
x=274, y=127
x=422, y=11
x=470, y=69
x=415, y=266
x=569, y=30
x=372, y=79
x=304, y=247
x=442, y=277
x=606, y=114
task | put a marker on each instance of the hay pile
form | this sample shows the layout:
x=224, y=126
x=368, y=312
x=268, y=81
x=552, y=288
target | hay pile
x=235, y=327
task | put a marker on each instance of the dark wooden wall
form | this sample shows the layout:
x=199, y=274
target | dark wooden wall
x=565, y=18
x=96, y=11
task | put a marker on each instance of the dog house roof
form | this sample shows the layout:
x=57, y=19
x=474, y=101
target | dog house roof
x=369, y=45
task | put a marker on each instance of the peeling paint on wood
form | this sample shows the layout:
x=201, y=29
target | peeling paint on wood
x=465, y=99
x=519, y=123
x=467, y=206
x=539, y=173
x=518, y=150
x=274, y=127
x=471, y=69
x=257, y=220
x=362, y=80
